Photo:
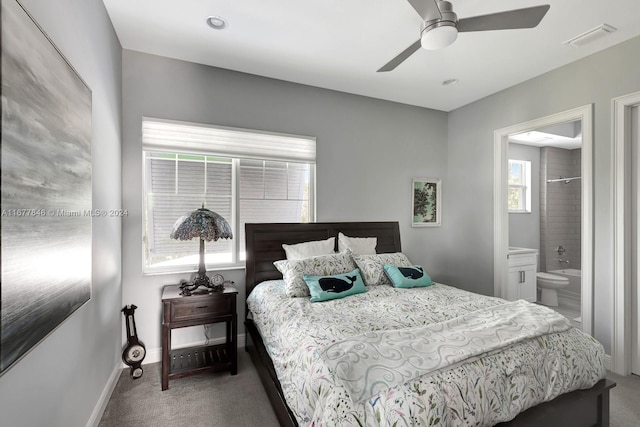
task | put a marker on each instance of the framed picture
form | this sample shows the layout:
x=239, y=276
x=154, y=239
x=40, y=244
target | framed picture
x=46, y=217
x=425, y=202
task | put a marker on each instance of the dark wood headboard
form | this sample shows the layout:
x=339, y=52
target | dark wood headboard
x=264, y=242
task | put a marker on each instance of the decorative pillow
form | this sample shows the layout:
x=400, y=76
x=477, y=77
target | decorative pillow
x=309, y=249
x=408, y=277
x=357, y=245
x=325, y=288
x=324, y=265
x=371, y=266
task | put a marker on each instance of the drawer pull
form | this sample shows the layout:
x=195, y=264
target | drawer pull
x=202, y=306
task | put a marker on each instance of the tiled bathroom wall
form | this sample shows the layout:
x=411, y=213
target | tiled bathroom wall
x=560, y=209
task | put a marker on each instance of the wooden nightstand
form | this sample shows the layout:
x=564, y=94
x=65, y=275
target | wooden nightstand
x=199, y=309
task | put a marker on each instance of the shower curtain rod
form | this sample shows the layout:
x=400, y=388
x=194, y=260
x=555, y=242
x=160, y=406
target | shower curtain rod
x=565, y=180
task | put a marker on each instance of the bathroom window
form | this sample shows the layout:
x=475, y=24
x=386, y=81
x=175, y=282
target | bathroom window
x=519, y=199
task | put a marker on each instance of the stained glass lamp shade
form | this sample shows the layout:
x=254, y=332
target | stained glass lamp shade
x=206, y=225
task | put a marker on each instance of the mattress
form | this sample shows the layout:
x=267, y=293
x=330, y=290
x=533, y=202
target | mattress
x=485, y=389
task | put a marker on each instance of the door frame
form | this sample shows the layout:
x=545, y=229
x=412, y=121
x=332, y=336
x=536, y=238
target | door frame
x=621, y=127
x=501, y=214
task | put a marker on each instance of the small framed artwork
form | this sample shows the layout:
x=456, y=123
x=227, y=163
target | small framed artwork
x=426, y=201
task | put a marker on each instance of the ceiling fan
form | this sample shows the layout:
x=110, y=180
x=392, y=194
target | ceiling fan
x=441, y=25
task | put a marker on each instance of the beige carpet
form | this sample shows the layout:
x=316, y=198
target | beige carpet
x=219, y=399
x=204, y=400
x=625, y=401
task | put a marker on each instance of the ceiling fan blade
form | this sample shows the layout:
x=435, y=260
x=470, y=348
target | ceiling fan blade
x=427, y=9
x=528, y=17
x=400, y=58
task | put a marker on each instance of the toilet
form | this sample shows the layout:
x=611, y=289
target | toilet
x=549, y=285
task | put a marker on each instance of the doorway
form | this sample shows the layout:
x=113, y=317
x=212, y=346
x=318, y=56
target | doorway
x=635, y=253
x=626, y=323
x=583, y=115
x=545, y=210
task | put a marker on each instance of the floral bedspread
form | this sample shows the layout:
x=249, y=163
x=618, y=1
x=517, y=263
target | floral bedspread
x=487, y=390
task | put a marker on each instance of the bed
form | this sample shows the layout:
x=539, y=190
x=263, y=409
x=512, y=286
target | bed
x=586, y=405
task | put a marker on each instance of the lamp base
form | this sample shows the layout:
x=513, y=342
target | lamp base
x=200, y=280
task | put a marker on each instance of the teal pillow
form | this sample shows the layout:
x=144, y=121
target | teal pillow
x=408, y=277
x=324, y=288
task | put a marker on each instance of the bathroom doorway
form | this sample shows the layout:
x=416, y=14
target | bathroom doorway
x=545, y=210
x=579, y=251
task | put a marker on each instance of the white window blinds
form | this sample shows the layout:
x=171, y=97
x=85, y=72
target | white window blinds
x=272, y=192
x=180, y=176
x=168, y=135
x=178, y=184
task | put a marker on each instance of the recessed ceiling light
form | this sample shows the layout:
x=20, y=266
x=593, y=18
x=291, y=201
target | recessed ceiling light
x=449, y=82
x=217, y=22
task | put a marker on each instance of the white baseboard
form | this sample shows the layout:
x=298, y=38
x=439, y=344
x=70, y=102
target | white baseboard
x=154, y=355
x=608, y=362
x=101, y=405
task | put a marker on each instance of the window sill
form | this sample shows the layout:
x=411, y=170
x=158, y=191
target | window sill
x=191, y=270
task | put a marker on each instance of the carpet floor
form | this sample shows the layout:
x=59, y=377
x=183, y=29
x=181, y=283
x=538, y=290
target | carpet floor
x=625, y=401
x=205, y=400
x=221, y=400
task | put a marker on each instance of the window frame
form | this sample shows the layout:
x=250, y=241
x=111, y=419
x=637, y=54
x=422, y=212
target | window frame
x=234, y=221
x=524, y=189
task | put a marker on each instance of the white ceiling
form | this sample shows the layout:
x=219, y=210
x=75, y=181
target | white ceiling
x=339, y=44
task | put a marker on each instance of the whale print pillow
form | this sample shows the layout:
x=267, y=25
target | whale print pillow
x=371, y=266
x=408, y=277
x=325, y=288
x=293, y=270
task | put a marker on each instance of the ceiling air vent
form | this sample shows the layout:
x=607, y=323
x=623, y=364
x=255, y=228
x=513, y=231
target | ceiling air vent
x=591, y=35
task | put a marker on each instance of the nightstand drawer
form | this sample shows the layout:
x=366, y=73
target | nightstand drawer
x=193, y=310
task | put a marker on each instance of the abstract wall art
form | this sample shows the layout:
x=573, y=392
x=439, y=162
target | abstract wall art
x=46, y=217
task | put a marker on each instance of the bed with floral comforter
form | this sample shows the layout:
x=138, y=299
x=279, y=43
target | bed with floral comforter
x=482, y=390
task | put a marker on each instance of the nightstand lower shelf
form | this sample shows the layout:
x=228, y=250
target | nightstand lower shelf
x=192, y=360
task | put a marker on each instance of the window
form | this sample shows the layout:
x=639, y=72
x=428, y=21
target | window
x=245, y=176
x=519, y=198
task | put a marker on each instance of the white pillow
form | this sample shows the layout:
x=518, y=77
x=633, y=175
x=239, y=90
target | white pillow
x=309, y=249
x=358, y=245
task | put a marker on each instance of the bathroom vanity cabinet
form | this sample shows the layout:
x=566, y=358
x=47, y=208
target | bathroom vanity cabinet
x=522, y=275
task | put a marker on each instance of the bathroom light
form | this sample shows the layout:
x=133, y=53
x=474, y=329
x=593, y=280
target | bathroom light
x=217, y=22
x=439, y=37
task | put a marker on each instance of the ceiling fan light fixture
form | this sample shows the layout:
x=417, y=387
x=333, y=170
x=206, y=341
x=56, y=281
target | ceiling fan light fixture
x=438, y=37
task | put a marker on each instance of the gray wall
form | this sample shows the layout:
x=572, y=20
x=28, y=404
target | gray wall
x=524, y=228
x=60, y=381
x=367, y=152
x=469, y=196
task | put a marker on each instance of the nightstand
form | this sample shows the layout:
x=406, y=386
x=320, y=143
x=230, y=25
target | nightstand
x=199, y=309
